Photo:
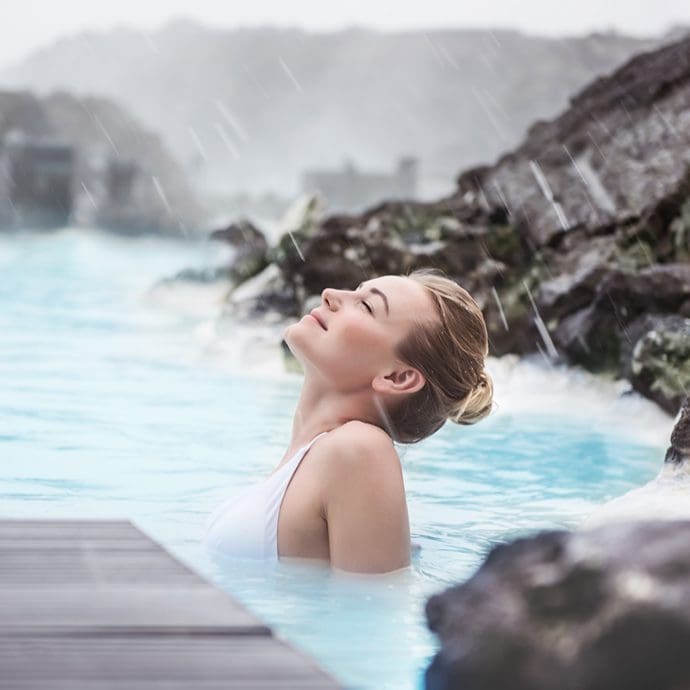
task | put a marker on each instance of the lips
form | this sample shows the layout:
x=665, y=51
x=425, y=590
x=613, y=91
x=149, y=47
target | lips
x=314, y=314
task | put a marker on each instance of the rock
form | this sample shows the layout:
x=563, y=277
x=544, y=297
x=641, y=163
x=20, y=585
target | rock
x=266, y=295
x=243, y=236
x=250, y=249
x=603, y=609
x=660, y=362
x=302, y=216
x=590, y=337
x=594, y=335
x=578, y=274
x=619, y=149
x=200, y=275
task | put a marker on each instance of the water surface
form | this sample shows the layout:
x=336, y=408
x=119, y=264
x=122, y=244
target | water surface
x=121, y=402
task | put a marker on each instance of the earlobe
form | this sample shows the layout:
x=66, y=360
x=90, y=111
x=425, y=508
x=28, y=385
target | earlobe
x=400, y=381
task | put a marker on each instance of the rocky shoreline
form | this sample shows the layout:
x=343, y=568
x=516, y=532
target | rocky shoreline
x=576, y=244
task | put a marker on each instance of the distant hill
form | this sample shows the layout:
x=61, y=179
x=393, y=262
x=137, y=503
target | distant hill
x=250, y=109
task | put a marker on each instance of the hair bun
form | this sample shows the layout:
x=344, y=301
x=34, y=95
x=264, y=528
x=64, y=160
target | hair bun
x=477, y=404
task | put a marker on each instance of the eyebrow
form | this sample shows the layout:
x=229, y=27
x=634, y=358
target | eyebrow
x=378, y=292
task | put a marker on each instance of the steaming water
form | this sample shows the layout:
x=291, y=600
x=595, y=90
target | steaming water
x=120, y=401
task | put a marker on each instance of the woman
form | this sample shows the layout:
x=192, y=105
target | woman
x=389, y=361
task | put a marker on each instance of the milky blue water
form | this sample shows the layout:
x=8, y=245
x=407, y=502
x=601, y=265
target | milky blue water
x=111, y=406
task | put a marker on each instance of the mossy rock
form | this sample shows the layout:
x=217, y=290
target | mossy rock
x=660, y=365
x=413, y=223
x=248, y=267
x=503, y=242
x=637, y=255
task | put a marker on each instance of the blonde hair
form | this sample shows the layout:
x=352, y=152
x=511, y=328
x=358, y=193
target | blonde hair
x=450, y=354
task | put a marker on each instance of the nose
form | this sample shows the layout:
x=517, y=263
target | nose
x=332, y=298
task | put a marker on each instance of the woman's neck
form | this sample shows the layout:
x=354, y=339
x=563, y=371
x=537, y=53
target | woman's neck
x=322, y=409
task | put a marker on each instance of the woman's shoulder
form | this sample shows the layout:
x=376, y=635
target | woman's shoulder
x=355, y=438
x=358, y=447
x=363, y=501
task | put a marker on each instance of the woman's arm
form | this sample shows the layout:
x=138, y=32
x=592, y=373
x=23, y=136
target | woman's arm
x=364, y=501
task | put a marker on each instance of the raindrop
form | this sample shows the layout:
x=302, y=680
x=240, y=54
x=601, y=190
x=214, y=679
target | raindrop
x=232, y=120
x=503, y=199
x=434, y=49
x=666, y=122
x=541, y=326
x=161, y=192
x=88, y=194
x=500, y=308
x=290, y=75
x=593, y=183
x=299, y=251
x=227, y=141
x=105, y=131
x=546, y=191
x=197, y=143
x=492, y=117
x=596, y=146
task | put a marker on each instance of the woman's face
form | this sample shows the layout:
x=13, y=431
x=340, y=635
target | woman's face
x=351, y=337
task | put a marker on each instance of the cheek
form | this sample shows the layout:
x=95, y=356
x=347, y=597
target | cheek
x=365, y=338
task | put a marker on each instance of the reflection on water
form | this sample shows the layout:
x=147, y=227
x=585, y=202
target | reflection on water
x=115, y=404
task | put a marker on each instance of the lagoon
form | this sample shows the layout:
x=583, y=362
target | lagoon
x=121, y=399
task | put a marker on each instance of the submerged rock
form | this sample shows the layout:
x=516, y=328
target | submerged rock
x=603, y=609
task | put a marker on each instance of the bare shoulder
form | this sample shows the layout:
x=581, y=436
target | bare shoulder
x=358, y=446
x=364, y=500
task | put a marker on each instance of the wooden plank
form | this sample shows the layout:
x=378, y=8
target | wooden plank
x=102, y=529
x=62, y=543
x=84, y=566
x=188, y=662
x=98, y=604
x=167, y=610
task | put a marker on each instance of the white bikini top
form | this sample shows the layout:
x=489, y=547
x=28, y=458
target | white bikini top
x=246, y=526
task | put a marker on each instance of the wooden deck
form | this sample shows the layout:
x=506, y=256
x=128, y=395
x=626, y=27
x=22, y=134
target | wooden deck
x=97, y=604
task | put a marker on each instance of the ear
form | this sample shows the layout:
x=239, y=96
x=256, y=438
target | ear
x=401, y=381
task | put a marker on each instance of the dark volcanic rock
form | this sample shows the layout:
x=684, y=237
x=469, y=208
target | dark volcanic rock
x=606, y=609
x=595, y=334
x=613, y=155
x=250, y=249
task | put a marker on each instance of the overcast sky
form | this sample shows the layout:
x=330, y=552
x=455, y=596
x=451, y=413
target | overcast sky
x=31, y=24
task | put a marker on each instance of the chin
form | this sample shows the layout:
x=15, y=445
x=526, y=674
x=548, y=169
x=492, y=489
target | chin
x=291, y=336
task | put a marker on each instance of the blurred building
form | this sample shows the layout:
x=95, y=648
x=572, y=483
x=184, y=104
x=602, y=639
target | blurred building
x=350, y=189
x=36, y=178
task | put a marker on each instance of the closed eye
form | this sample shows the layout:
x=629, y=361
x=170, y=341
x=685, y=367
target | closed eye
x=369, y=309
